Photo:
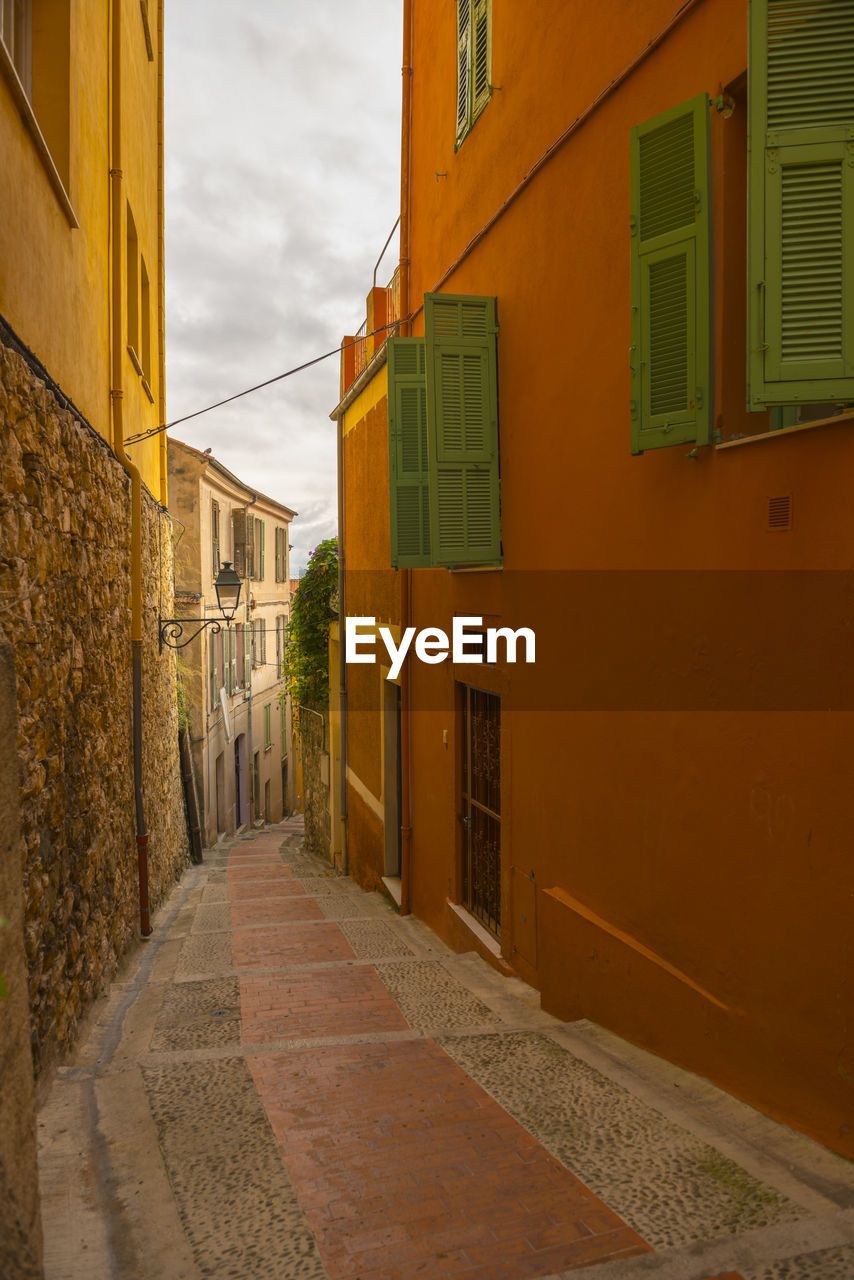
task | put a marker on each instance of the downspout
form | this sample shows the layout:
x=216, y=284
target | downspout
x=405, y=574
x=342, y=664
x=116, y=397
x=161, y=258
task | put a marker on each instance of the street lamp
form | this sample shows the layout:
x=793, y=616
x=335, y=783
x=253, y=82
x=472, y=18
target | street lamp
x=227, y=587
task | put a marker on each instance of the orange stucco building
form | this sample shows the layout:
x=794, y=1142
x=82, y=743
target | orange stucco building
x=627, y=247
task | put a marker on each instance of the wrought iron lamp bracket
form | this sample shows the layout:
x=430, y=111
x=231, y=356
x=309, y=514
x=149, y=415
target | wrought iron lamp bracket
x=172, y=630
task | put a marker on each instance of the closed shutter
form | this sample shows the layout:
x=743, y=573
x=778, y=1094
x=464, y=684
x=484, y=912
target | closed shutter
x=464, y=46
x=462, y=416
x=409, y=504
x=670, y=355
x=268, y=732
x=480, y=56
x=214, y=678
x=238, y=534
x=801, y=202
x=232, y=640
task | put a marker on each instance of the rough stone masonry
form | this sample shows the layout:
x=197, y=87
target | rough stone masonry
x=65, y=612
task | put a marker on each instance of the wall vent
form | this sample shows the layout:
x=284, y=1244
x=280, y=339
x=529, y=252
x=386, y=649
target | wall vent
x=780, y=513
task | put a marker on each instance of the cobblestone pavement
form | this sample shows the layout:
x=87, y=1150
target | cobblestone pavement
x=290, y=1080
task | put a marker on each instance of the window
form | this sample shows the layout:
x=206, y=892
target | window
x=670, y=292
x=443, y=437
x=243, y=536
x=247, y=655
x=16, y=34
x=215, y=536
x=281, y=641
x=283, y=717
x=281, y=554
x=133, y=291
x=800, y=203
x=474, y=57
x=259, y=643
x=145, y=327
x=268, y=732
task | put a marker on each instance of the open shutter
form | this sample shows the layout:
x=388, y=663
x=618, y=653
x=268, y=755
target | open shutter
x=232, y=641
x=409, y=505
x=238, y=532
x=670, y=356
x=251, y=563
x=262, y=542
x=464, y=48
x=480, y=56
x=801, y=202
x=462, y=416
x=247, y=656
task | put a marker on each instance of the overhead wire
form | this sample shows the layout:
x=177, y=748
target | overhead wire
x=167, y=426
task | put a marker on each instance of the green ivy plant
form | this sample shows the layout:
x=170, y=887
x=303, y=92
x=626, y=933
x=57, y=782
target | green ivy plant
x=315, y=604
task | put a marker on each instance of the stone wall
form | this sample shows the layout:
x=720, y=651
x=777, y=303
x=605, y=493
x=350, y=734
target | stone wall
x=315, y=783
x=20, y=1224
x=65, y=611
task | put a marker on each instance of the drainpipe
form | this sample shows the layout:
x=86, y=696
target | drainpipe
x=405, y=574
x=342, y=664
x=161, y=259
x=116, y=397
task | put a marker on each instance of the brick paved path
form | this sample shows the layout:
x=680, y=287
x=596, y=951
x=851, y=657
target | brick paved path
x=295, y=1083
x=402, y=1164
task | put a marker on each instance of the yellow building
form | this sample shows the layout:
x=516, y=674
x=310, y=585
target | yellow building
x=81, y=237
x=85, y=543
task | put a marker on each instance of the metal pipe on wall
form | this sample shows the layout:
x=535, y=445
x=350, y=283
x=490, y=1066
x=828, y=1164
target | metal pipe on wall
x=116, y=398
x=405, y=574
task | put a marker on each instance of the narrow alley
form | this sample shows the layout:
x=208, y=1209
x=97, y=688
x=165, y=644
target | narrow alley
x=290, y=1080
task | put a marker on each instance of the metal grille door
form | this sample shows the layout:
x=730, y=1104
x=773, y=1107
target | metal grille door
x=481, y=795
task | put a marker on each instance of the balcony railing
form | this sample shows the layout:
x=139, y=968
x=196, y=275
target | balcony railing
x=381, y=321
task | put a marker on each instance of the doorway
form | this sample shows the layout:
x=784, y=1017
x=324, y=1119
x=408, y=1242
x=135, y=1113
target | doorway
x=481, y=806
x=241, y=795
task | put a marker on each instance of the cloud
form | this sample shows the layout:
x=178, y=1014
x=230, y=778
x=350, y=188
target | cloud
x=282, y=184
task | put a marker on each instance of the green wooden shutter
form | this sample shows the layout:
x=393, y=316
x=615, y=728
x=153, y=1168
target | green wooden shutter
x=462, y=416
x=801, y=202
x=464, y=53
x=481, y=40
x=409, y=513
x=247, y=656
x=262, y=542
x=670, y=353
x=232, y=640
x=214, y=689
x=238, y=532
x=250, y=547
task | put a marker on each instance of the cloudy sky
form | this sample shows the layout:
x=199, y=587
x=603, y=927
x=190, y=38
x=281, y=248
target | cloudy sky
x=282, y=184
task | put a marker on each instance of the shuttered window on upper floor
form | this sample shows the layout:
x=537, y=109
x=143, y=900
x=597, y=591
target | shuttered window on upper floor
x=801, y=202
x=443, y=437
x=474, y=59
x=670, y=293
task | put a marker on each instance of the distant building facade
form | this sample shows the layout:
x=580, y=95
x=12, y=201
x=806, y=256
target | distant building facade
x=239, y=716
